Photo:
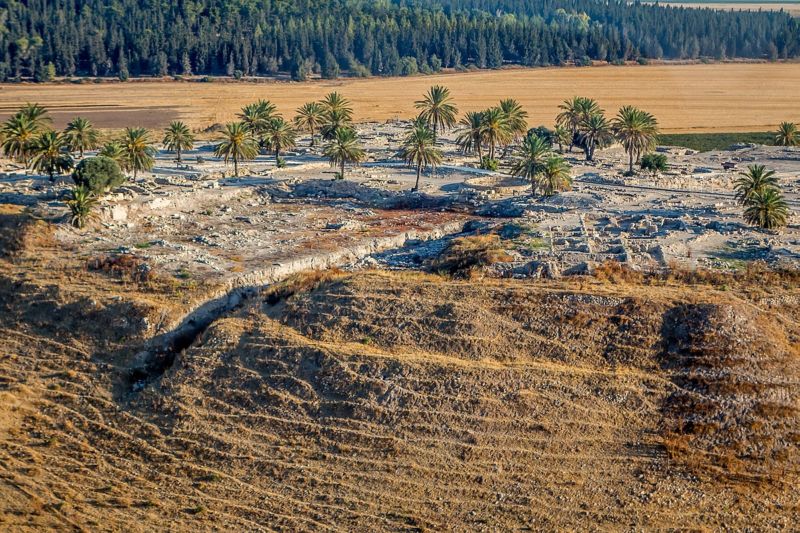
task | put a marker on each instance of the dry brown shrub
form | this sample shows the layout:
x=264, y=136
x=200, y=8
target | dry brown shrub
x=464, y=255
x=301, y=282
x=756, y=275
x=126, y=267
x=615, y=272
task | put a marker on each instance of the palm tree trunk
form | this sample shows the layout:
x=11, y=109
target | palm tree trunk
x=312, y=137
x=630, y=162
x=236, y=167
x=533, y=185
x=342, y=168
x=277, y=157
x=419, y=171
x=179, y=155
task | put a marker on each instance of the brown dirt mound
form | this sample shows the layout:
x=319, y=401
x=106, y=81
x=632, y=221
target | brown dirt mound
x=737, y=412
x=375, y=401
x=19, y=231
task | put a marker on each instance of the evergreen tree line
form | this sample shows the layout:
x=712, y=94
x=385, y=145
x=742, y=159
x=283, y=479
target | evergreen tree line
x=47, y=38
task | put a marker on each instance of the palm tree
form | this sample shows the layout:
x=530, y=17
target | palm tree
x=561, y=136
x=237, y=144
x=139, y=154
x=49, y=154
x=178, y=137
x=310, y=117
x=37, y=115
x=114, y=150
x=334, y=121
x=256, y=117
x=767, y=209
x=754, y=181
x=81, y=202
x=437, y=109
x=470, y=140
x=19, y=134
x=81, y=135
x=787, y=135
x=336, y=103
x=595, y=131
x=280, y=136
x=419, y=150
x=555, y=176
x=516, y=118
x=344, y=148
x=637, y=131
x=533, y=153
x=495, y=129
x=573, y=111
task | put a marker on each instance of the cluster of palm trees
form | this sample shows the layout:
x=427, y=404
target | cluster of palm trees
x=582, y=121
x=28, y=138
x=758, y=191
x=493, y=128
x=483, y=133
x=261, y=128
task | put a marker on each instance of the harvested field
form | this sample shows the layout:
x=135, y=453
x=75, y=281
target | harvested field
x=793, y=8
x=685, y=98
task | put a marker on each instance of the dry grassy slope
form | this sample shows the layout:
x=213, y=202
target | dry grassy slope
x=385, y=401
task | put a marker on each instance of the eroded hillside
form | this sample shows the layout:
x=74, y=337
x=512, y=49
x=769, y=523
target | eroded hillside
x=384, y=401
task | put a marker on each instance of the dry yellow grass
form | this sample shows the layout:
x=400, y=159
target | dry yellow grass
x=685, y=98
x=791, y=8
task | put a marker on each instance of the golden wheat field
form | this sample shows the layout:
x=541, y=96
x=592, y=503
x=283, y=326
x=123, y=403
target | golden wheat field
x=685, y=98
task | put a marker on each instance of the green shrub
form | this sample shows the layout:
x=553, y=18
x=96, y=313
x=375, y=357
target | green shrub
x=654, y=163
x=98, y=174
x=488, y=163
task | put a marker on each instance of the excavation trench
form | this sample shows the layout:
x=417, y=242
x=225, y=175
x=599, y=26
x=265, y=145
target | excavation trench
x=159, y=353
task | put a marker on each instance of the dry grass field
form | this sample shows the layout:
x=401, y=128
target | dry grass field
x=685, y=98
x=793, y=8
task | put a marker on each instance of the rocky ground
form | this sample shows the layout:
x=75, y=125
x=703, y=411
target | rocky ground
x=198, y=220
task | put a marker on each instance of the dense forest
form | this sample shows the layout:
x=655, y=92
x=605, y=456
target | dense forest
x=41, y=39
